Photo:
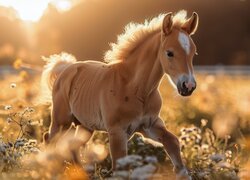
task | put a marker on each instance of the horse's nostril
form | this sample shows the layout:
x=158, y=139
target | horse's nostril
x=184, y=85
x=186, y=88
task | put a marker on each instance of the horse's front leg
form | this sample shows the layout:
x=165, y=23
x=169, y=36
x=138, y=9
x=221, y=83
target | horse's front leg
x=118, y=144
x=159, y=133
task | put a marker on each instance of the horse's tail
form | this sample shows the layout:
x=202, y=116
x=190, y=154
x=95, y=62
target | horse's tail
x=55, y=65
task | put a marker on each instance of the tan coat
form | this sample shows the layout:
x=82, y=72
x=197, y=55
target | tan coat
x=122, y=97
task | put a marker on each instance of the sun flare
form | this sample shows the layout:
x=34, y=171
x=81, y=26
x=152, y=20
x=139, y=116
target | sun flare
x=28, y=10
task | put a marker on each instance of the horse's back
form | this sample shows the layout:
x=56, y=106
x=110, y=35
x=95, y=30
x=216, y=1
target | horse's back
x=82, y=76
x=81, y=70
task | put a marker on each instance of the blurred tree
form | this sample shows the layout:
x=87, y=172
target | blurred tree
x=12, y=37
x=86, y=30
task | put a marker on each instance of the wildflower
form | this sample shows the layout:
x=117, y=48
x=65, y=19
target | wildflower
x=203, y=175
x=18, y=63
x=29, y=109
x=185, y=138
x=19, y=144
x=204, y=122
x=192, y=137
x=205, y=147
x=32, y=142
x=17, y=155
x=151, y=159
x=210, y=136
x=196, y=130
x=33, y=123
x=9, y=120
x=197, y=138
x=144, y=172
x=195, y=148
x=89, y=168
x=122, y=174
x=24, y=75
x=10, y=144
x=2, y=148
x=131, y=160
x=183, y=131
x=189, y=130
x=13, y=85
x=8, y=107
x=5, y=159
x=224, y=165
x=217, y=157
x=228, y=154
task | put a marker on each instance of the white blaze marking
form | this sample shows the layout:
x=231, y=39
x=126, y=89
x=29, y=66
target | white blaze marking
x=190, y=75
x=184, y=41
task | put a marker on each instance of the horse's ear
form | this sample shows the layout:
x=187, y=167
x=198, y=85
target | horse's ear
x=167, y=23
x=190, y=26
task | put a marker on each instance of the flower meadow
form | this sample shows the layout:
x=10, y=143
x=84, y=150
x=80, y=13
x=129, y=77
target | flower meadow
x=213, y=126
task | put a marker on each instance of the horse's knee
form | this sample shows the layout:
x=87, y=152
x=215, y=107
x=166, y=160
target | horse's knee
x=169, y=139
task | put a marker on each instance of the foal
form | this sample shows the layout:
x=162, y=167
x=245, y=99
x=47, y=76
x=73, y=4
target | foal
x=122, y=96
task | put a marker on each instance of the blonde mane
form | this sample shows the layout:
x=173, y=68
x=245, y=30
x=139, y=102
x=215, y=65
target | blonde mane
x=135, y=33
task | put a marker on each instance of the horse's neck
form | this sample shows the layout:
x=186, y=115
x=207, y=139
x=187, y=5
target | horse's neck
x=143, y=68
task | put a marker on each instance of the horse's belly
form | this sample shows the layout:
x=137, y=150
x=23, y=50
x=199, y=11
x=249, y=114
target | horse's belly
x=91, y=121
x=93, y=124
x=85, y=108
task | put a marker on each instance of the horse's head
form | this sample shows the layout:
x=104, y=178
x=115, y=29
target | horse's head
x=177, y=51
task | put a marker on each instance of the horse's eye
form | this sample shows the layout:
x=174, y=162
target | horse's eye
x=169, y=54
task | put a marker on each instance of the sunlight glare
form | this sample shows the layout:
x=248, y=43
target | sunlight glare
x=62, y=5
x=28, y=10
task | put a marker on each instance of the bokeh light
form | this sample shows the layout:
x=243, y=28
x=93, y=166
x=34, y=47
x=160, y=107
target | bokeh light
x=33, y=10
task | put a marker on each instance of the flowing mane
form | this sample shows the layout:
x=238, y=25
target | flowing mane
x=135, y=33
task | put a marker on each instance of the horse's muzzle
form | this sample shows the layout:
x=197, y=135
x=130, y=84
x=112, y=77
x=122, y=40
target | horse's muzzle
x=186, y=87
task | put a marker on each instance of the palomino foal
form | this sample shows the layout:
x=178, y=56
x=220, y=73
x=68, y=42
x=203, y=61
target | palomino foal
x=122, y=97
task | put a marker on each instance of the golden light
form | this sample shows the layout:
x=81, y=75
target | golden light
x=95, y=152
x=28, y=10
x=62, y=5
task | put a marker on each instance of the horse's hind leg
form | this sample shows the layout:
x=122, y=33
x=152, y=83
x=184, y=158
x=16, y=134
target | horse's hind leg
x=61, y=116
